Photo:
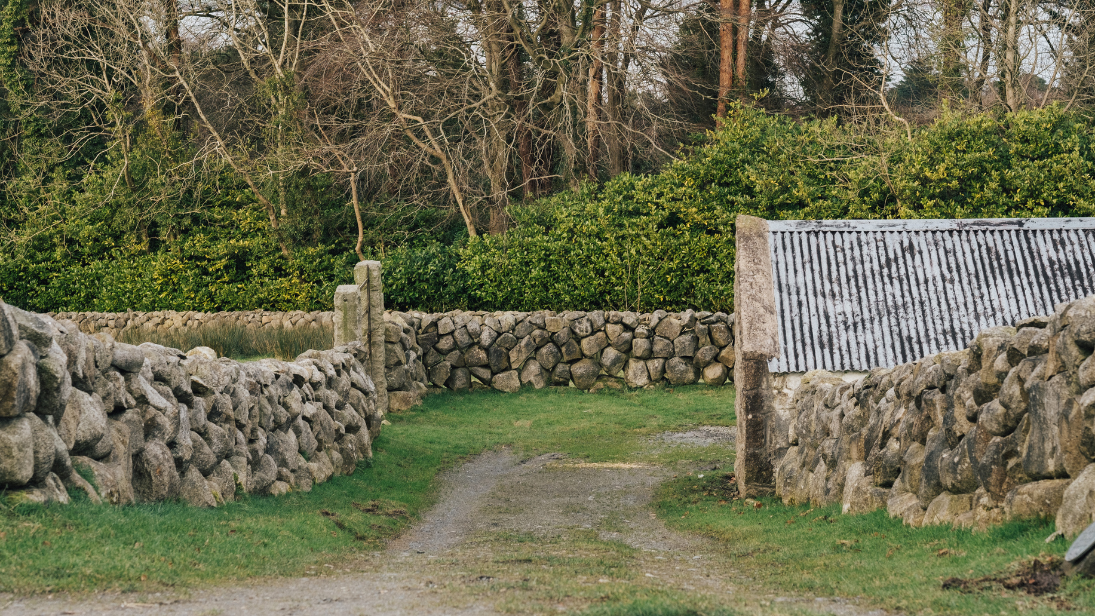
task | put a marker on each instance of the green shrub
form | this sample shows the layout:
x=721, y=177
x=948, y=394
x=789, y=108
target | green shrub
x=425, y=278
x=667, y=240
x=227, y=261
x=633, y=243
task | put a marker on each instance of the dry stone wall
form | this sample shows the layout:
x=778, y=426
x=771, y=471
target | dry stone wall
x=508, y=350
x=1004, y=429
x=505, y=350
x=166, y=320
x=149, y=423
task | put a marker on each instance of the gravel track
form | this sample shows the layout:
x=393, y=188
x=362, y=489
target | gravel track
x=440, y=566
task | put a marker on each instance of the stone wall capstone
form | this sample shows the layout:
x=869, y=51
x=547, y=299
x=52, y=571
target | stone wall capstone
x=149, y=423
x=1003, y=429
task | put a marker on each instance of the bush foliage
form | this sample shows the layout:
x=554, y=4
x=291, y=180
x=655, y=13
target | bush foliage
x=667, y=240
x=633, y=243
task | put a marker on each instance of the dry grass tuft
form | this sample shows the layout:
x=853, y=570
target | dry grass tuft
x=238, y=341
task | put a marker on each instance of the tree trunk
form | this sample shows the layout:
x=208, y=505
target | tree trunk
x=727, y=11
x=174, y=41
x=593, y=102
x=519, y=107
x=986, y=50
x=614, y=93
x=951, y=48
x=1011, y=57
x=547, y=125
x=357, y=215
x=742, y=40
x=835, y=44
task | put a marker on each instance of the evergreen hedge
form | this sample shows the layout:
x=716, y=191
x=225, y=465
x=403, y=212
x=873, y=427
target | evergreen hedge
x=633, y=243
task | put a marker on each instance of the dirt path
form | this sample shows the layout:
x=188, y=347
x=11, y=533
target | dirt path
x=507, y=536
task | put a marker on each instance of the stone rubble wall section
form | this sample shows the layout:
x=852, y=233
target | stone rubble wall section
x=504, y=350
x=1004, y=429
x=148, y=423
x=166, y=320
x=508, y=350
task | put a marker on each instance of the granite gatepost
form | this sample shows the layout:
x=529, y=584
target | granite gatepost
x=757, y=342
x=347, y=317
x=368, y=276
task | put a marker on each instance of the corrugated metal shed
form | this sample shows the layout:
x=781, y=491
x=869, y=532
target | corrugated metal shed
x=857, y=294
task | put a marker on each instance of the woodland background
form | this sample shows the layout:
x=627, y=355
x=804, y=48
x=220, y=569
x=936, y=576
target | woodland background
x=508, y=154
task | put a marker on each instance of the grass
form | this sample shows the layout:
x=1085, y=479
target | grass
x=790, y=550
x=145, y=548
x=820, y=552
x=577, y=572
x=237, y=341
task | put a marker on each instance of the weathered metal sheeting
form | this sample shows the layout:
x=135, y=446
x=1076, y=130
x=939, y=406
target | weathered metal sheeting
x=855, y=295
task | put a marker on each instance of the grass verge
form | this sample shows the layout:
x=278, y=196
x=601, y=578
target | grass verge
x=237, y=341
x=145, y=548
x=820, y=552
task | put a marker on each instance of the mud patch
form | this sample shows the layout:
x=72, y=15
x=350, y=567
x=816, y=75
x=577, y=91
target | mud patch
x=702, y=436
x=1035, y=577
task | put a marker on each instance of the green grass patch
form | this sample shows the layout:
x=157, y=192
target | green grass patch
x=237, y=341
x=578, y=572
x=144, y=548
x=654, y=607
x=821, y=552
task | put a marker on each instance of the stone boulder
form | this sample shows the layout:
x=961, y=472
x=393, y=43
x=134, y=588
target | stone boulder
x=714, y=374
x=154, y=475
x=533, y=374
x=636, y=374
x=55, y=382
x=680, y=371
x=860, y=494
x=593, y=345
x=947, y=508
x=508, y=381
x=612, y=361
x=43, y=446
x=584, y=373
x=1035, y=499
x=403, y=400
x=1077, y=509
x=194, y=490
x=109, y=481
x=459, y=380
x=16, y=452
x=18, y=381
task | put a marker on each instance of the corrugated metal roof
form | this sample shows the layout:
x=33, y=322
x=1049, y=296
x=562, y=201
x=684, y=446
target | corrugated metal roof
x=854, y=295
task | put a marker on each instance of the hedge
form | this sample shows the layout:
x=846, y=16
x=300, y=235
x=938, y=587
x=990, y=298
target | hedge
x=667, y=240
